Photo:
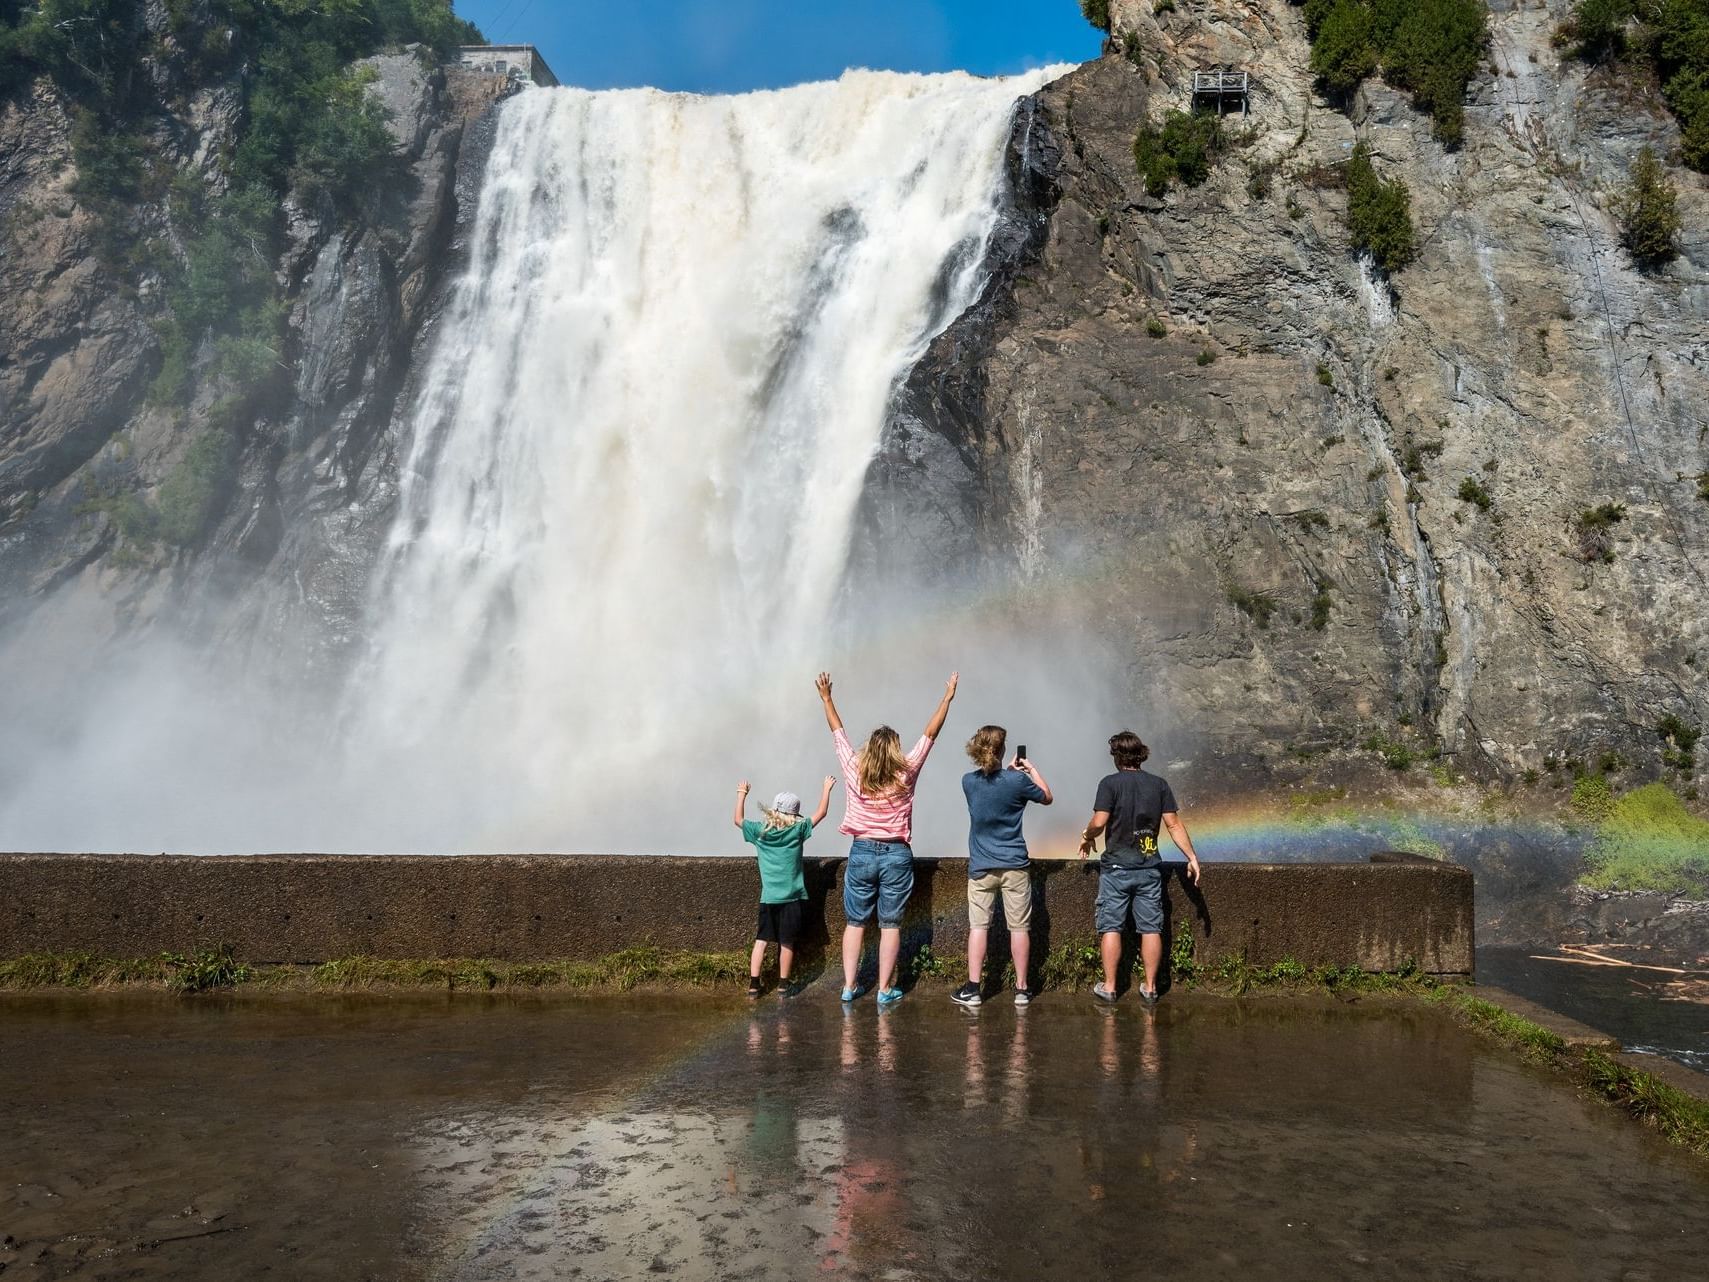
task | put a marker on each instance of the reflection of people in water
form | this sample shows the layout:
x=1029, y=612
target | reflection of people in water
x=867, y=1187
x=1017, y=1071
x=1138, y=1142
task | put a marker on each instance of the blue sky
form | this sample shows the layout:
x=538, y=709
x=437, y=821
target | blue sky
x=726, y=46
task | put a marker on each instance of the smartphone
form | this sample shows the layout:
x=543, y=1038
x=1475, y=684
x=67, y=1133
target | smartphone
x=1021, y=753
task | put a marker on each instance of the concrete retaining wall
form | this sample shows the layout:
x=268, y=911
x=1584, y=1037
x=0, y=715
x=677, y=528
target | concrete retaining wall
x=309, y=908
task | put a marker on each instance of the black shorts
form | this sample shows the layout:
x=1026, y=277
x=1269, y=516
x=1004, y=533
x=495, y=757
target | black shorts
x=780, y=923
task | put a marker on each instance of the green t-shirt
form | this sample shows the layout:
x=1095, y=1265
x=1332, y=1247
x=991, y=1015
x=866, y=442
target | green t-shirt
x=781, y=876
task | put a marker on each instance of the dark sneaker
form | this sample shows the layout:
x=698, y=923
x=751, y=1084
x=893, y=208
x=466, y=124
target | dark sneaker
x=1102, y=994
x=753, y=988
x=967, y=995
x=1023, y=996
x=788, y=988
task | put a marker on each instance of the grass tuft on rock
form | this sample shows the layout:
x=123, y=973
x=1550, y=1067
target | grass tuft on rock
x=1681, y=1118
x=1257, y=606
x=1648, y=840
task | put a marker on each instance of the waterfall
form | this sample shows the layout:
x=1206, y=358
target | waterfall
x=637, y=453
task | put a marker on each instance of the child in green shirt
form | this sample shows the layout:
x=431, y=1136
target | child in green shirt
x=783, y=885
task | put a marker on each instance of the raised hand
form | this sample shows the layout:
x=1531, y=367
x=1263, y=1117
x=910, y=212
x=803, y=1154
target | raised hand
x=831, y=717
x=830, y=782
x=949, y=686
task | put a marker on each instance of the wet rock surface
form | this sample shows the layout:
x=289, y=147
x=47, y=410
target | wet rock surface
x=472, y=1138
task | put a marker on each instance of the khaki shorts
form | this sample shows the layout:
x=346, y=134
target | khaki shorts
x=1016, y=885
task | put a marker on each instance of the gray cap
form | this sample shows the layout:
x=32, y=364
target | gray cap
x=786, y=803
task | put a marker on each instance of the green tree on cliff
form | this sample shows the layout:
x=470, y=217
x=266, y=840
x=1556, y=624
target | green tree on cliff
x=1648, y=211
x=1342, y=54
x=1668, y=37
x=1430, y=48
x=1379, y=214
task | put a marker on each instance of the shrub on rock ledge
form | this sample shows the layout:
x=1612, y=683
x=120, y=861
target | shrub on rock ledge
x=1648, y=210
x=1430, y=48
x=1379, y=214
x=1183, y=148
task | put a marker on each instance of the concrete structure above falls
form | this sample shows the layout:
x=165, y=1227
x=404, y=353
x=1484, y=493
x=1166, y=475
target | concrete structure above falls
x=311, y=908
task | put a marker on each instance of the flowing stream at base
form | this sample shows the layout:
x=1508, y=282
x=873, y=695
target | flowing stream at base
x=637, y=454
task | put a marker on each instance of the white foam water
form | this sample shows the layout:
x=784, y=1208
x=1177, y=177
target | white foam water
x=637, y=454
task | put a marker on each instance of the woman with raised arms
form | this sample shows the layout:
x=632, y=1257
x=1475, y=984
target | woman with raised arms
x=879, y=816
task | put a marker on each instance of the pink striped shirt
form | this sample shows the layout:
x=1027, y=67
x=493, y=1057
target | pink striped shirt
x=886, y=818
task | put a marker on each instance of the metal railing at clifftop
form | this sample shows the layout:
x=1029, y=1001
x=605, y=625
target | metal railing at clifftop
x=1221, y=86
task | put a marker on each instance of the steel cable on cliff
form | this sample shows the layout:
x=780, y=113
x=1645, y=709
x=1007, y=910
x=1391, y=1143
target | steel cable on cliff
x=1619, y=375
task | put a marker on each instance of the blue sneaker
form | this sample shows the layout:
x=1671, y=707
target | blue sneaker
x=889, y=996
x=849, y=994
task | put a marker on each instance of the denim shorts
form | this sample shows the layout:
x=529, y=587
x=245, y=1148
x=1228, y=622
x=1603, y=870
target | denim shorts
x=1125, y=890
x=880, y=876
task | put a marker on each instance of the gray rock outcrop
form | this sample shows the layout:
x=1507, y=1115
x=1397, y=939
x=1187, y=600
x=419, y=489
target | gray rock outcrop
x=1199, y=425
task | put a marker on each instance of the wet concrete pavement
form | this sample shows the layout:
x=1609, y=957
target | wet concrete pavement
x=472, y=1138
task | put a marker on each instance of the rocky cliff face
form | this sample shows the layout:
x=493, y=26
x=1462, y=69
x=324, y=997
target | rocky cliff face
x=305, y=499
x=1201, y=425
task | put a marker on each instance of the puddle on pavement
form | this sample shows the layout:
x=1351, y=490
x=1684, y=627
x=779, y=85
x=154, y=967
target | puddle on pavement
x=475, y=1138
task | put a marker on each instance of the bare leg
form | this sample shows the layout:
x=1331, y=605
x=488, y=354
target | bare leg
x=889, y=949
x=757, y=960
x=976, y=954
x=1112, y=945
x=1151, y=953
x=852, y=936
x=785, y=962
x=1021, y=946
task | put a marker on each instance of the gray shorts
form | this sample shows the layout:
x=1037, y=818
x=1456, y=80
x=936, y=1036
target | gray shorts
x=1125, y=890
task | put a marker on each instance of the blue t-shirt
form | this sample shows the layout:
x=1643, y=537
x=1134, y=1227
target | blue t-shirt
x=994, y=806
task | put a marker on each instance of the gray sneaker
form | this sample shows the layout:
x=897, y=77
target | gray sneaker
x=1102, y=994
x=1148, y=996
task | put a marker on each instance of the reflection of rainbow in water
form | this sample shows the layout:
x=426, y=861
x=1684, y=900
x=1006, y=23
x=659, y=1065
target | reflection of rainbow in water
x=488, y=1225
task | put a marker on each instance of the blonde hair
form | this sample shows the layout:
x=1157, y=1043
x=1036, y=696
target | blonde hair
x=775, y=819
x=880, y=767
x=986, y=748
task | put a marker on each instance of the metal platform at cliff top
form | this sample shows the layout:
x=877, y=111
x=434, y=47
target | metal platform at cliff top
x=521, y=61
x=1221, y=87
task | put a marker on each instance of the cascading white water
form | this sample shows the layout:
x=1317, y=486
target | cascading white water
x=636, y=458
x=629, y=482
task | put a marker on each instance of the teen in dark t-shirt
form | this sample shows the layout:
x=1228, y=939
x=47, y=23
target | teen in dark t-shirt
x=1131, y=807
x=1135, y=803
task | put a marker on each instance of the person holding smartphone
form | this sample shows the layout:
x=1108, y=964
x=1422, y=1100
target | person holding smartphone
x=997, y=859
